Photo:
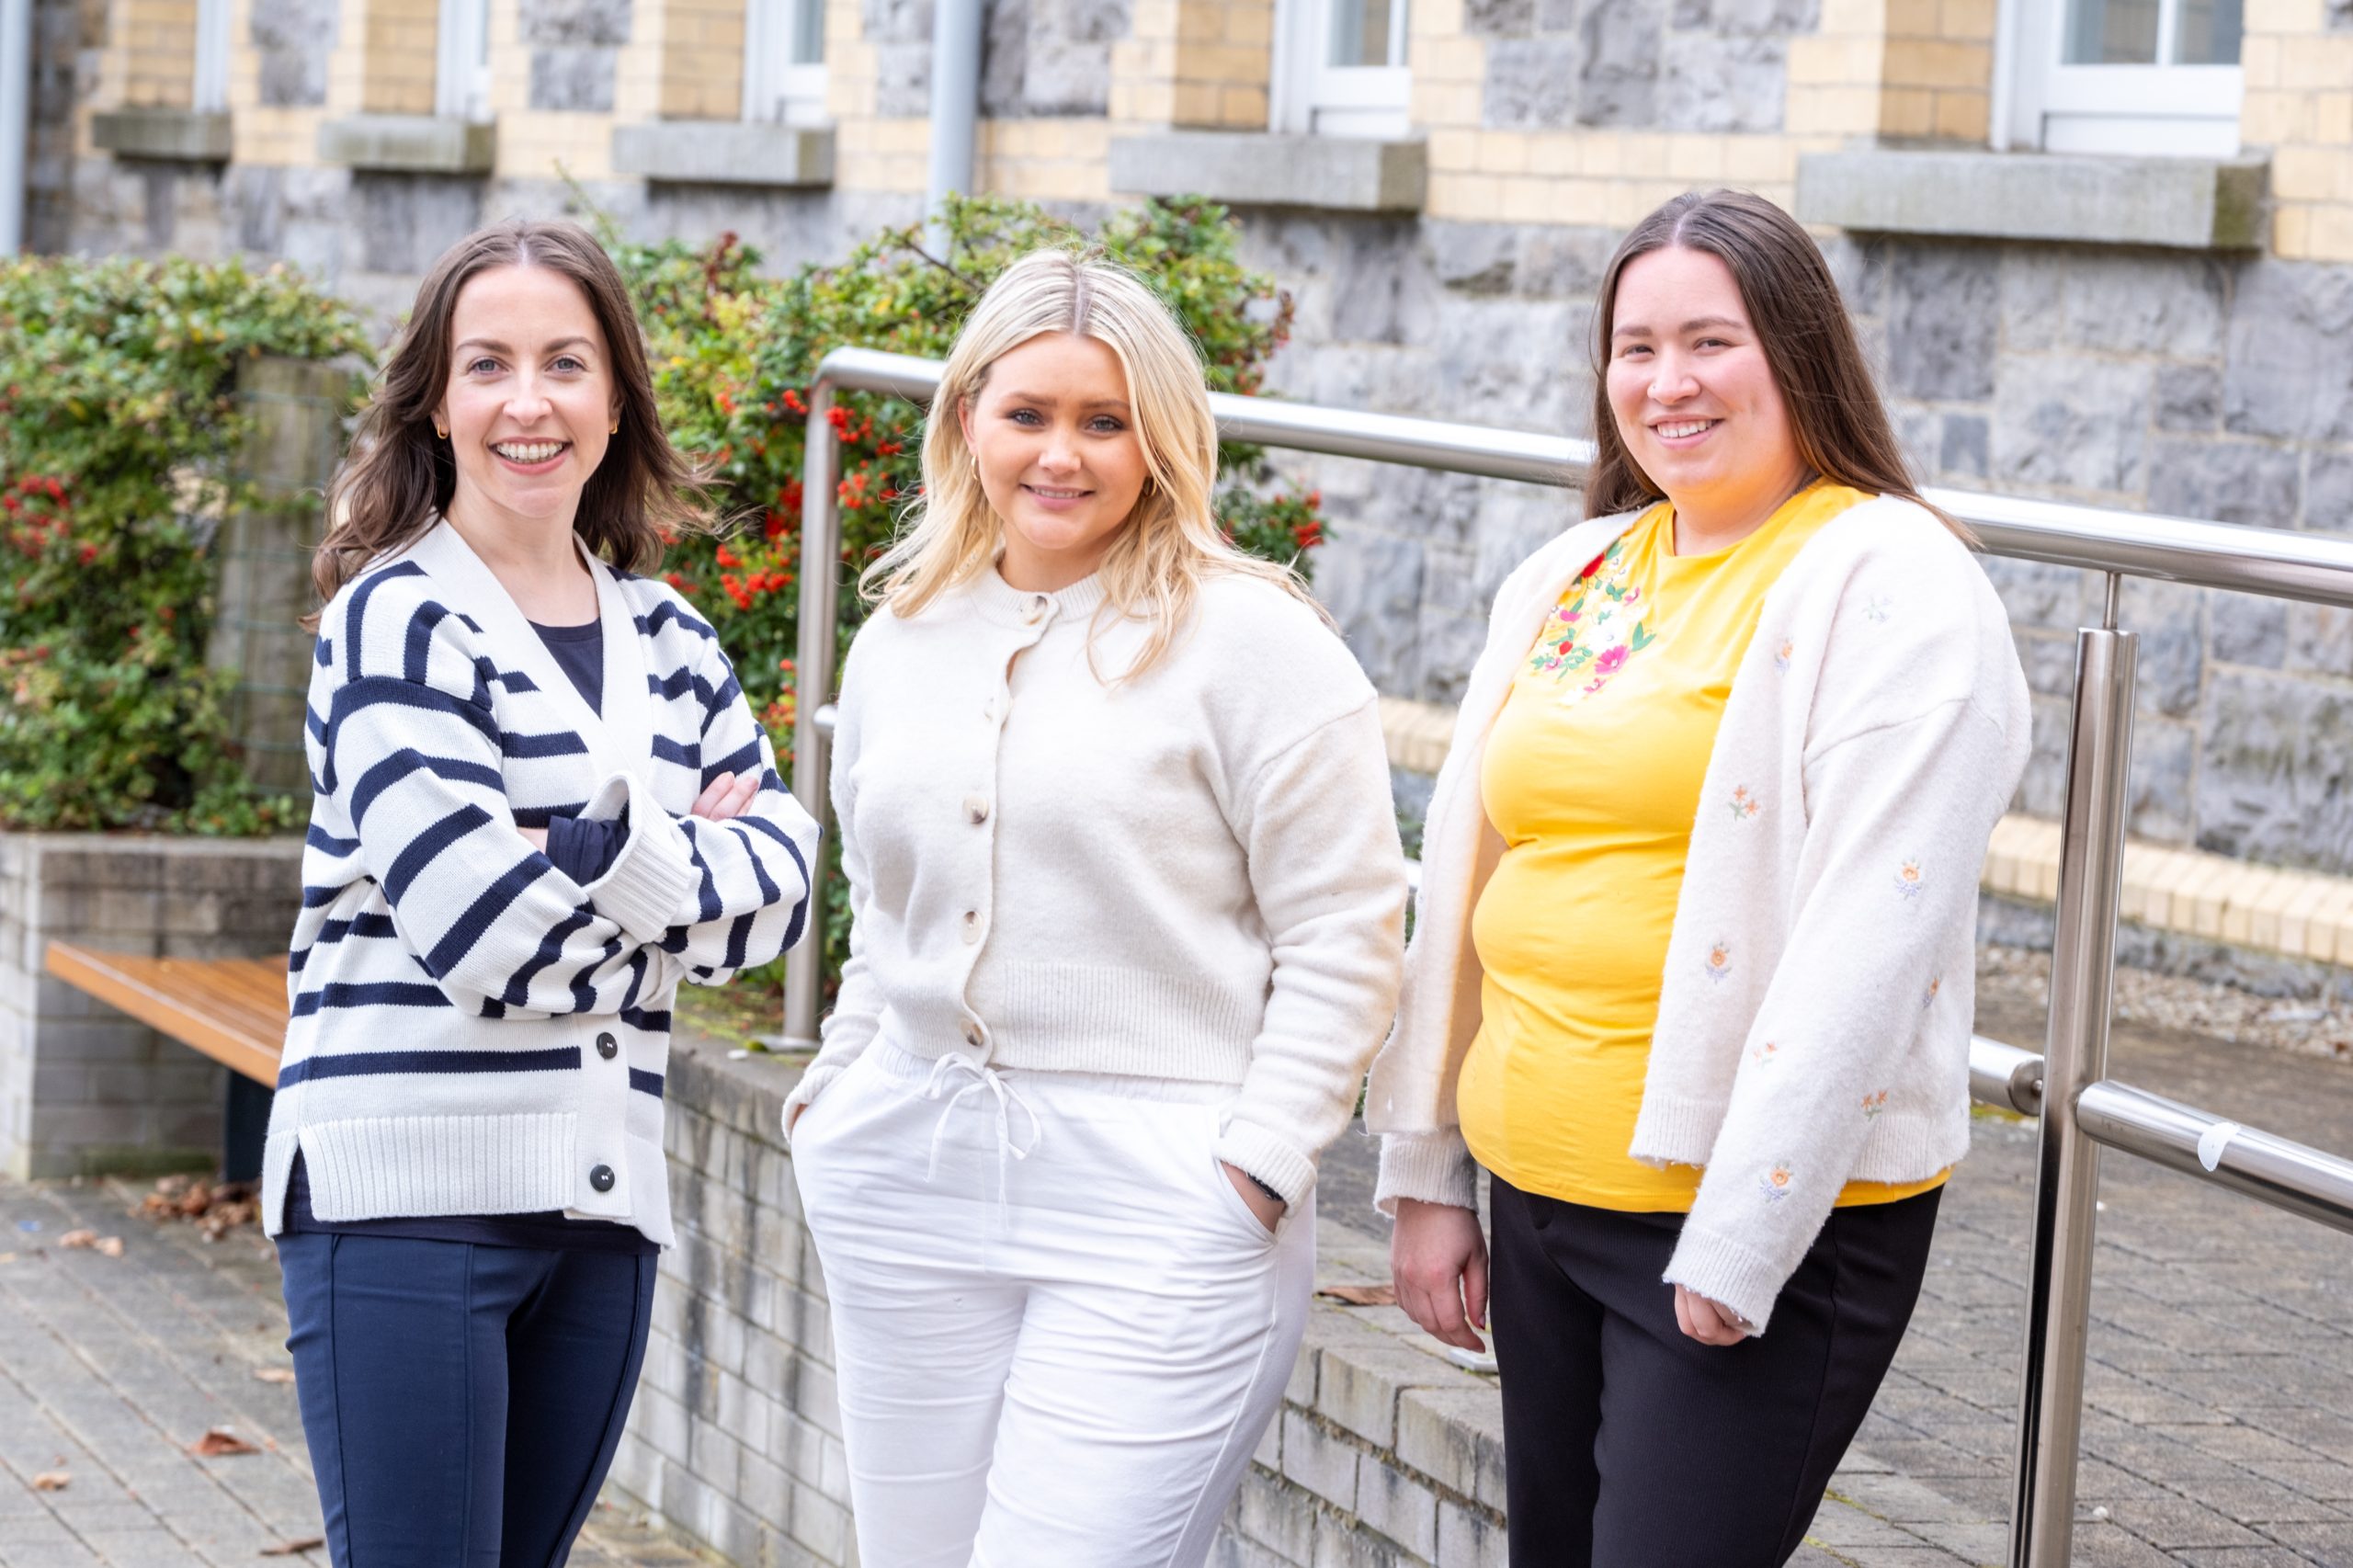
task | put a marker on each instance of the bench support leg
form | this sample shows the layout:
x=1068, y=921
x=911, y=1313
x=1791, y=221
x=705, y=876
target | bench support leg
x=244, y=1124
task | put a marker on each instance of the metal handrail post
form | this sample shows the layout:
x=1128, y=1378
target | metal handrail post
x=813, y=686
x=2091, y=858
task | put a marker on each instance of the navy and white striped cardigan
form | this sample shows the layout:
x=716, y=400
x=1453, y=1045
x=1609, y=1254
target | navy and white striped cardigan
x=472, y=1032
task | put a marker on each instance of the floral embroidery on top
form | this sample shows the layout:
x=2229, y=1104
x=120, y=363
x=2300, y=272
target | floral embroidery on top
x=1909, y=880
x=1928, y=999
x=1782, y=654
x=1719, y=961
x=1598, y=624
x=1744, y=804
x=1873, y=1105
x=1877, y=608
x=1766, y=1054
x=1775, y=1183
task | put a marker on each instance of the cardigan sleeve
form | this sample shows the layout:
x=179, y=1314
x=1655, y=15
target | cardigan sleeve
x=856, y=1017
x=750, y=898
x=1329, y=879
x=1898, y=818
x=412, y=754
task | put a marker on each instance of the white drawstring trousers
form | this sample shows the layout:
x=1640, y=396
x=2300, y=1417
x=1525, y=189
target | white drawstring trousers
x=1060, y=1346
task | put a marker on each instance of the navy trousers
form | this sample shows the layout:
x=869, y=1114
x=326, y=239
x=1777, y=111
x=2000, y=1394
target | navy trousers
x=1627, y=1445
x=462, y=1401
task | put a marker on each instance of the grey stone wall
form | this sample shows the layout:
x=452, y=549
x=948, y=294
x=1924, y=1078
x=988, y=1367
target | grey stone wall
x=1043, y=58
x=2194, y=384
x=574, y=47
x=83, y=1088
x=1647, y=64
x=1384, y=1452
x=294, y=39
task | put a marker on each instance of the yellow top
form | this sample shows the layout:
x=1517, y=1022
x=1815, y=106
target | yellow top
x=1592, y=775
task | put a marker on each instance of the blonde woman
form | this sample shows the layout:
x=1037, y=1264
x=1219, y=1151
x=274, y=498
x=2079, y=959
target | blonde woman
x=1128, y=900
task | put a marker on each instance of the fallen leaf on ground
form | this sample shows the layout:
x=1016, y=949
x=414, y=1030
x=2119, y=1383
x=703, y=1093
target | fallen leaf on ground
x=51, y=1480
x=7, y=1257
x=221, y=1441
x=274, y=1374
x=1361, y=1295
x=292, y=1548
x=107, y=1246
x=72, y=1239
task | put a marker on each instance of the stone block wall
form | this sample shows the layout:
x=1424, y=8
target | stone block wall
x=83, y=1088
x=1385, y=1453
x=2203, y=382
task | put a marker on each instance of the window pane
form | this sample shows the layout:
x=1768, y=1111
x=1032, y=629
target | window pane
x=1363, y=31
x=808, y=32
x=2208, y=33
x=2113, y=32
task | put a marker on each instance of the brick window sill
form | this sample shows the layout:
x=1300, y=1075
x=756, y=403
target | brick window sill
x=172, y=135
x=2179, y=203
x=1334, y=173
x=724, y=152
x=409, y=143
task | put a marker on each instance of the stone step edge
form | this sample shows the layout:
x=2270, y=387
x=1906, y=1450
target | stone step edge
x=2303, y=914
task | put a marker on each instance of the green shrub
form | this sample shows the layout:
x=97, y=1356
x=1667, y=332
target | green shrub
x=734, y=354
x=118, y=417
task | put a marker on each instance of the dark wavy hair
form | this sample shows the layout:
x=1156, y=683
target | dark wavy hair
x=1839, y=423
x=400, y=475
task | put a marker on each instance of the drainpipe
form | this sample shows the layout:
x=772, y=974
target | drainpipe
x=955, y=107
x=15, y=119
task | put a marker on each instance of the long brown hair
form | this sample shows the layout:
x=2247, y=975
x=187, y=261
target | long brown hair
x=400, y=475
x=1837, y=418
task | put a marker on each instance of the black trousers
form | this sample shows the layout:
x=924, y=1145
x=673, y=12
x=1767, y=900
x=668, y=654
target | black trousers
x=1627, y=1445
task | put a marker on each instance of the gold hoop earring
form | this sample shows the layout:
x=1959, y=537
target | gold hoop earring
x=616, y=429
x=440, y=432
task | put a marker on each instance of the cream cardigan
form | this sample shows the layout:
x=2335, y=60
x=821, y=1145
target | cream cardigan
x=1814, y=1016
x=1191, y=875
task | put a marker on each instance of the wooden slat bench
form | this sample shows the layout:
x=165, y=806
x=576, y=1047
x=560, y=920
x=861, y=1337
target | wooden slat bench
x=232, y=1010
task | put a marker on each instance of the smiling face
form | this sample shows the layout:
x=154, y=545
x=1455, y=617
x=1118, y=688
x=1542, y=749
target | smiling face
x=530, y=400
x=1693, y=394
x=1061, y=462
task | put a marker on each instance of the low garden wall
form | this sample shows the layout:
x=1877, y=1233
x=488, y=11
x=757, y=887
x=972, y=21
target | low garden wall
x=83, y=1088
x=1385, y=1454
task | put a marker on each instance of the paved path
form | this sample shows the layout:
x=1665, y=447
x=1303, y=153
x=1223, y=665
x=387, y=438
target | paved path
x=2220, y=1429
x=2220, y=1433
x=111, y=1369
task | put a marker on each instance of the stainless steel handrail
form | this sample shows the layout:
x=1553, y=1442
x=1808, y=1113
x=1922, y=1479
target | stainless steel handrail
x=2079, y=1109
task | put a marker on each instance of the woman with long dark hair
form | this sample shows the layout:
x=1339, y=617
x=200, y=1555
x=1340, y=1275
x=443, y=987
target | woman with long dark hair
x=540, y=801
x=1692, y=970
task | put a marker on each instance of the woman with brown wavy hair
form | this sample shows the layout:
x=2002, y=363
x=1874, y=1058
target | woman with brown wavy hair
x=1691, y=972
x=540, y=801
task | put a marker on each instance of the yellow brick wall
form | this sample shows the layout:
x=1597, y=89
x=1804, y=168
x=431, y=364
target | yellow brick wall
x=383, y=58
x=1937, y=71
x=2300, y=106
x=158, y=52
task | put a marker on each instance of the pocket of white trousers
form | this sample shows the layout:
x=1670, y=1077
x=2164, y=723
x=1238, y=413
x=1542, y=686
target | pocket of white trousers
x=1232, y=1203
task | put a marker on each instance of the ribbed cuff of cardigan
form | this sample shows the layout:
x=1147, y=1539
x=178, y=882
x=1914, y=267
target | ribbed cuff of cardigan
x=813, y=1080
x=1430, y=1167
x=648, y=882
x=1726, y=1272
x=1255, y=1152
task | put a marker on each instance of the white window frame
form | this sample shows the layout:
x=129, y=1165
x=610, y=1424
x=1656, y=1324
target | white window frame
x=461, y=60
x=2161, y=111
x=210, y=89
x=778, y=88
x=1335, y=100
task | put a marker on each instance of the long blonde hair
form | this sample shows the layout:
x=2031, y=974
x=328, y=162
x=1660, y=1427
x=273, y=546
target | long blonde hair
x=1169, y=543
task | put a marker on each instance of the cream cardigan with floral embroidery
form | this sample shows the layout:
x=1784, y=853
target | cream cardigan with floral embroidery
x=1814, y=1014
